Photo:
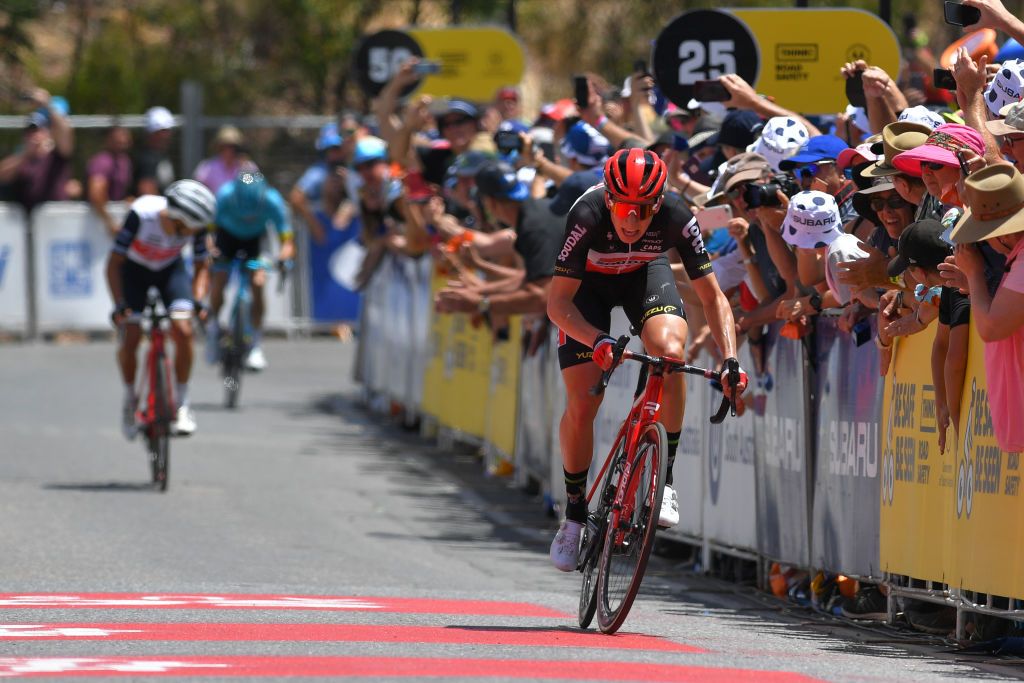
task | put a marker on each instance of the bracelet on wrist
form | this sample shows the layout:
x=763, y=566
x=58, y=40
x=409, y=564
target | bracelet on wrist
x=601, y=122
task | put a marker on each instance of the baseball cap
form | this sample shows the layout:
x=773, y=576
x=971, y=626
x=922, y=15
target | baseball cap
x=859, y=116
x=923, y=115
x=739, y=129
x=745, y=167
x=158, y=118
x=460, y=107
x=229, y=135
x=920, y=244
x=585, y=144
x=498, y=179
x=468, y=164
x=328, y=137
x=509, y=92
x=369, y=148
x=940, y=148
x=1007, y=87
x=781, y=138
x=37, y=120
x=818, y=148
x=848, y=157
x=556, y=111
x=812, y=220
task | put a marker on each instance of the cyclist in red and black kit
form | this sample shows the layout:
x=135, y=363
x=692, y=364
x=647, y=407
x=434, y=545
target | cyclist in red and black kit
x=617, y=237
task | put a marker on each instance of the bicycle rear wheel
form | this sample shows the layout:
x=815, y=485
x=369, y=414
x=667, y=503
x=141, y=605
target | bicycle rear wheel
x=593, y=537
x=160, y=430
x=234, y=357
x=627, y=545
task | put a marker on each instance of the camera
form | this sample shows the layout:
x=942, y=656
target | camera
x=508, y=141
x=758, y=195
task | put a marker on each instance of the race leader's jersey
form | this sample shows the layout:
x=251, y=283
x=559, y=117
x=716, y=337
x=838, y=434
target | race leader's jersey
x=144, y=241
x=591, y=246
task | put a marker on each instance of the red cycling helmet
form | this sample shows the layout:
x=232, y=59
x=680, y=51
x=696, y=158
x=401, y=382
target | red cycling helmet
x=635, y=176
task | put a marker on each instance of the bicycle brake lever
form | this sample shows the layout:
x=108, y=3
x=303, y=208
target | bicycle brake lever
x=719, y=417
x=620, y=348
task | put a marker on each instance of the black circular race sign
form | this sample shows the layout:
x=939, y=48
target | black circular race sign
x=702, y=45
x=380, y=55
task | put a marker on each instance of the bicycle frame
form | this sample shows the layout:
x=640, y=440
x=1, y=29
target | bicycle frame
x=157, y=347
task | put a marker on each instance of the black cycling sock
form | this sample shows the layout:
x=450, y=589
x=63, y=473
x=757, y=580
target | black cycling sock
x=576, y=493
x=673, y=444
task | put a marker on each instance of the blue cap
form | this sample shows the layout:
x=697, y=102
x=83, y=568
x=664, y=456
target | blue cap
x=740, y=128
x=37, y=119
x=585, y=144
x=514, y=125
x=461, y=107
x=369, y=149
x=329, y=137
x=498, y=179
x=818, y=148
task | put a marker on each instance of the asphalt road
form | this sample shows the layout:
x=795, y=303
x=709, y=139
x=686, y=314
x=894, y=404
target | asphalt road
x=302, y=536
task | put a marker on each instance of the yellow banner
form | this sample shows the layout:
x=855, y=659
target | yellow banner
x=434, y=374
x=503, y=392
x=802, y=51
x=987, y=514
x=467, y=373
x=918, y=482
x=475, y=62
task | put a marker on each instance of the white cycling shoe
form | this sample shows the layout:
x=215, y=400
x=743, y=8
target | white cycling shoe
x=256, y=361
x=565, y=549
x=185, y=422
x=128, y=426
x=669, y=515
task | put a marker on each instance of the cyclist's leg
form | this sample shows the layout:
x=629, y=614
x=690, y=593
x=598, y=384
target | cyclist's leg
x=135, y=283
x=176, y=292
x=219, y=273
x=663, y=327
x=580, y=374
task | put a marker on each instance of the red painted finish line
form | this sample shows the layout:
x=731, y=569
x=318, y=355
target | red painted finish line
x=363, y=633
x=354, y=667
x=309, y=602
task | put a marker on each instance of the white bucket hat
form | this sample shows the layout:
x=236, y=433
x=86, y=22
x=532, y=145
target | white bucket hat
x=812, y=220
x=781, y=138
x=923, y=115
x=1007, y=87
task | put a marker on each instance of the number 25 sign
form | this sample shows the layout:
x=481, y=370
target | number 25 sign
x=702, y=45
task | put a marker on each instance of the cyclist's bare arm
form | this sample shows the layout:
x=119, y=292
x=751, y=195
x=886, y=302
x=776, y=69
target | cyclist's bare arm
x=563, y=311
x=300, y=204
x=718, y=313
x=530, y=297
x=114, y=263
x=201, y=279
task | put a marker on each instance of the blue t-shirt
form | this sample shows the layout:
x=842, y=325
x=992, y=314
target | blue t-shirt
x=246, y=225
x=312, y=184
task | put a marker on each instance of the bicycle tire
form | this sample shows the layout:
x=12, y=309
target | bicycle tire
x=160, y=445
x=619, y=583
x=593, y=539
x=234, y=358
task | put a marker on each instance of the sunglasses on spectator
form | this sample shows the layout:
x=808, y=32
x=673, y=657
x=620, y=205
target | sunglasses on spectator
x=624, y=209
x=812, y=169
x=934, y=165
x=454, y=121
x=1012, y=139
x=893, y=202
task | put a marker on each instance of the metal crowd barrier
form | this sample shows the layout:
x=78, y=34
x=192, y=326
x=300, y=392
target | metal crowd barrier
x=832, y=467
x=53, y=272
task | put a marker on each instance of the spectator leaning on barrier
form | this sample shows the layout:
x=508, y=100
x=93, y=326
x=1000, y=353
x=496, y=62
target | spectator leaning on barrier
x=109, y=175
x=995, y=196
x=921, y=250
x=40, y=170
x=538, y=235
x=229, y=160
x=309, y=196
x=152, y=164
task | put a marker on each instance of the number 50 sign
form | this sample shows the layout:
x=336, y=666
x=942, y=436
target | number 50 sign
x=702, y=45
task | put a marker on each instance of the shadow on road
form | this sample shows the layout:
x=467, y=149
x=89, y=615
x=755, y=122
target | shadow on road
x=116, y=486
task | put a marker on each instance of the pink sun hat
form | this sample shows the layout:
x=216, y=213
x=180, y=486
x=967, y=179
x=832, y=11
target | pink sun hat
x=940, y=147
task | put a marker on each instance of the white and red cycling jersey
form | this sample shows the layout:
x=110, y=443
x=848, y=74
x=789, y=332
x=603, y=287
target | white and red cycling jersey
x=143, y=240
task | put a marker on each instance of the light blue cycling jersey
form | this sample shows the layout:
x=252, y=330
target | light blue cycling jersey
x=247, y=224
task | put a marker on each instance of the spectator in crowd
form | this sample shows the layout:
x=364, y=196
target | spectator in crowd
x=781, y=138
x=40, y=170
x=228, y=162
x=921, y=250
x=110, y=175
x=815, y=167
x=319, y=184
x=506, y=101
x=530, y=229
x=152, y=164
x=996, y=195
x=1010, y=132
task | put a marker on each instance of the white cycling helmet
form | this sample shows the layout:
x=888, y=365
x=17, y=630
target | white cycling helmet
x=190, y=201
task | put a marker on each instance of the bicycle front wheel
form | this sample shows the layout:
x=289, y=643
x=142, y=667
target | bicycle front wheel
x=160, y=442
x=235, y=357
x=594, y=535
x=628, y=543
